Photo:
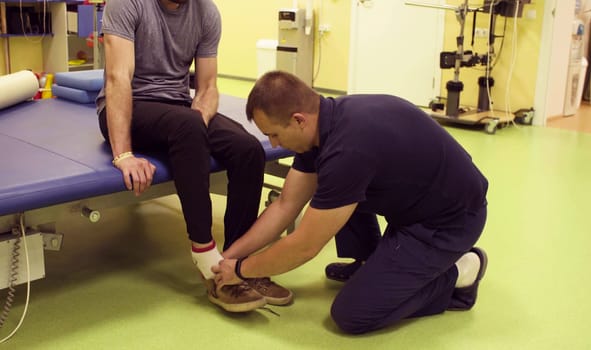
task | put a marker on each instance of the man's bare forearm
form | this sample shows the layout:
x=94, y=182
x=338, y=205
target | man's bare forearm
x=265, y=230
x=119, y=108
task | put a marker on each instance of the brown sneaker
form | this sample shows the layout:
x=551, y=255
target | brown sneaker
x=234, y=298
x=273, y=293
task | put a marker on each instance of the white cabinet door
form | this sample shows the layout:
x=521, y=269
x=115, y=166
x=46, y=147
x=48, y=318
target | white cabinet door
x=395, y=49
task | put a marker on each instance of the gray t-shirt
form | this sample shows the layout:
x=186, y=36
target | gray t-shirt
x=166, y=43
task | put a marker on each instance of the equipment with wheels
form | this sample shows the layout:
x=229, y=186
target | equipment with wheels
x=483, y=113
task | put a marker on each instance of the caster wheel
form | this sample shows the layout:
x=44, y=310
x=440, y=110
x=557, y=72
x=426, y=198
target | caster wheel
x=491, y=127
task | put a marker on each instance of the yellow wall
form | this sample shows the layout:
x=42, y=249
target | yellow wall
x=26, y=53
x=243, y=25
x=238, y=56
x=523, y=81
x=334, y=65
x=2, y=60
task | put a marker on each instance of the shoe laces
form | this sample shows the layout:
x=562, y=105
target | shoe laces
x=237, y=290
x=261, y=283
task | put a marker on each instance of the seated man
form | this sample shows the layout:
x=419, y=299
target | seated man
x=358, y=156
x=145, y=105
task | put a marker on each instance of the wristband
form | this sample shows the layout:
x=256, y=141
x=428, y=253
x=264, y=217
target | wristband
x=122, y=156
x=238, y=266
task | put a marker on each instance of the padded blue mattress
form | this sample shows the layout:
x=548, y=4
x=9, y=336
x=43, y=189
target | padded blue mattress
x=53, y=152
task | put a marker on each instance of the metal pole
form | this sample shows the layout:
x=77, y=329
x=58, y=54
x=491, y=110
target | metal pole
x=440, y=7
x=461, y=13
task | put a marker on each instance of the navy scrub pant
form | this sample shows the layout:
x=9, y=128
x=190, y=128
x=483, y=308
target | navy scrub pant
x=181, y=133
x=410, y=273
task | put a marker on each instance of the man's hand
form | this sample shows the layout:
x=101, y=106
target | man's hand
x=207, y=117
x=137, y=173
x=224, y=273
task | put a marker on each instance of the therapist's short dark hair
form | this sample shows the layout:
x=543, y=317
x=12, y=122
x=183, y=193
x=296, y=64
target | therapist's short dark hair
x=279, y=95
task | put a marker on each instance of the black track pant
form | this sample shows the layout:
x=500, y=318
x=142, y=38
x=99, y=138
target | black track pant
x=181, y=133
x=409, y=272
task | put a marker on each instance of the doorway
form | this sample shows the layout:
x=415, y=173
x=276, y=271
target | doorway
x=395, y=49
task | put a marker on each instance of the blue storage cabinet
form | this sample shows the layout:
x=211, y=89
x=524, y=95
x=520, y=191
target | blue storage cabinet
x=86, y=20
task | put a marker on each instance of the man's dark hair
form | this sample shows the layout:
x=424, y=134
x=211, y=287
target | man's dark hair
x=279, y=95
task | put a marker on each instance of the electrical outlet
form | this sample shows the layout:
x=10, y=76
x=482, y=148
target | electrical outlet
x=531, y=14
x=481, y=32
x=324, y=28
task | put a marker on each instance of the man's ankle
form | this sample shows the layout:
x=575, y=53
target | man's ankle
x=205, y=257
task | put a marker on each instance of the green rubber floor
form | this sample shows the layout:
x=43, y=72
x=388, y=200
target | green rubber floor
x=127, y=282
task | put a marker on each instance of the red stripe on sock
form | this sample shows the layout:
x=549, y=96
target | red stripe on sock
x=204, y=249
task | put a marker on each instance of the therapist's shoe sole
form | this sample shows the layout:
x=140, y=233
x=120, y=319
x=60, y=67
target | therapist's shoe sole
x=342, y=272
x=464, y=298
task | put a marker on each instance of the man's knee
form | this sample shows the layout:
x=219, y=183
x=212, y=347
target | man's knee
x=348, y=321
x=190, y=127
x=251, y=151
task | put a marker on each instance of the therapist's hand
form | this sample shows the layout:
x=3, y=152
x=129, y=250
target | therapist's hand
x=224, y=273
x=137, y=173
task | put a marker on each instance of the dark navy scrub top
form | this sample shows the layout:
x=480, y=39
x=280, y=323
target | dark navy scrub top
x=394, y=160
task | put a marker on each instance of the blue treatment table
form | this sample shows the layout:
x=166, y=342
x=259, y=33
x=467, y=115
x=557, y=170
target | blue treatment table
x=54, y=159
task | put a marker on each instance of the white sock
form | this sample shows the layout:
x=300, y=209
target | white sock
x=205, y=258
x=468, y=266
